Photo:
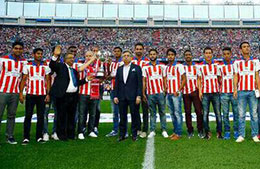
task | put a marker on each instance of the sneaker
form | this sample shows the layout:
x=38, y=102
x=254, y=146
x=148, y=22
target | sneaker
x=152, y=134
x=207, y=136
x=175, y=137
x=143, y=135
x=236, y=134
x=46, y=137
x=227, y=136
x=112, y=134
x=126, y=135
x=139, y=132
x=201, y=135
x=55, y=136
x=190, y=135
x=240, y=139
x=25, y=142
x=81, y=136
x=164, y=134
x=96, y=130
x=256, y=140
x=40, y=140
x=219, y=135
x=92, y=134
x=11, y=141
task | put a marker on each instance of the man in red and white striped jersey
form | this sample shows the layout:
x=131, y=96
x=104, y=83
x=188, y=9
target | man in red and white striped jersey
x=191, y=95
x=209, y=91
x=226, y=69
x=86, y=104
x=141, y=61
x=246, y=82
x=153, y=92
x=11, y=67
x=115, y=64
x=36, y=75
x=174, y=80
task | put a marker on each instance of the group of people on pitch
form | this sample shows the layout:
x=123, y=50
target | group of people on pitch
x=67, y=84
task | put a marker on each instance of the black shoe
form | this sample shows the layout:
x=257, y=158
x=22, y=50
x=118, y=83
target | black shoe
x=121, y=138
x=134, y=138
x=219, y=136
x=207, y=136
x=25, y=141
x=40, y=140
x=11, y=141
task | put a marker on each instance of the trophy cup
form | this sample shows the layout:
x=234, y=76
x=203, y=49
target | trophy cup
x=99, y=74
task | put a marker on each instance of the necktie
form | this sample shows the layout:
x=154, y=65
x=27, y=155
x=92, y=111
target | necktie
x=74, y=80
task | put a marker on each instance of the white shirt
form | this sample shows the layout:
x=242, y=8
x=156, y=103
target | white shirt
x=71, y=88
x=126, y=69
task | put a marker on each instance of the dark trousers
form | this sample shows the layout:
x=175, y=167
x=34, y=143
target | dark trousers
x=188, y=100
x=66, y=110
x=135, y=117
x=145, y=116
x=86, y=106
x=30, y=102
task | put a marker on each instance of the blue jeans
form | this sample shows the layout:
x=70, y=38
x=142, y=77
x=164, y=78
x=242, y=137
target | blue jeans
x=214, y=99
x=159, y=100
x=115, y=110
x=174, y=104
x=244, y=98
x=226, y=100
x=47, y=110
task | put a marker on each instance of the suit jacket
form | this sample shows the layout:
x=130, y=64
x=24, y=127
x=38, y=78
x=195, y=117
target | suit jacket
x=133, y=86
x=61, y=81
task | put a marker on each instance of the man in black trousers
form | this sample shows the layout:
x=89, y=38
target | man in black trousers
x=65, y=90
x=128, y=92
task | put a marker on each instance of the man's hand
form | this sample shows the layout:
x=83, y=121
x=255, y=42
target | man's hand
x=21, y=98
x=176, y=94
x=57, y=51
x=201, y=95
x=47, y=98
x=89, y=78
x=116, y=101
x=145, y=98
x=235, y=94
x=138, y=100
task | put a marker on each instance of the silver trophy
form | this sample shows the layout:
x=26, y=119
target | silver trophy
x=103, y=57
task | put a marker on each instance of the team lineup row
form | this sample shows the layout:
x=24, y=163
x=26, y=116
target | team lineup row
x=221, y=83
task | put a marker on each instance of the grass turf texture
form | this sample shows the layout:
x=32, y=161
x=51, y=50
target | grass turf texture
x=105, y=152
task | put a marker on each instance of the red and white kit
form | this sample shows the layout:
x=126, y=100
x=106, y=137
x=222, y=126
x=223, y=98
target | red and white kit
x=209, y=75
x=191, y=76
x=246, y=73
x=10, y=73
x=36, y=83
x=227, y=76
x=154, y=77
x=173, y=75
x=113, y=69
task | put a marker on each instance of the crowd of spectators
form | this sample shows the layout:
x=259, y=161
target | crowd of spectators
x=106, y=38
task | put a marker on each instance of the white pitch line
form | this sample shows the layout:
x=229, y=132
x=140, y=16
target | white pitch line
x=149, y=154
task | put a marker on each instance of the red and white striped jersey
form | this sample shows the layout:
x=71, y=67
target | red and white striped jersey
x=36, y=83
x=154, y=78
x=113, y=69
x=191, y=78
x=246, y=73
x=10, y=73
x=227, y=75
x=140, y=62
x=209, y=76
x=173, y=75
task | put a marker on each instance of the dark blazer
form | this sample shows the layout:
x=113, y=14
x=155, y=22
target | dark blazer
x=133, y=86
x=61, y=81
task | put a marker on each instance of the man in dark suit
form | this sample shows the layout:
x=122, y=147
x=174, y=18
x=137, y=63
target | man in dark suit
x=65, y=90
x=128, y=92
